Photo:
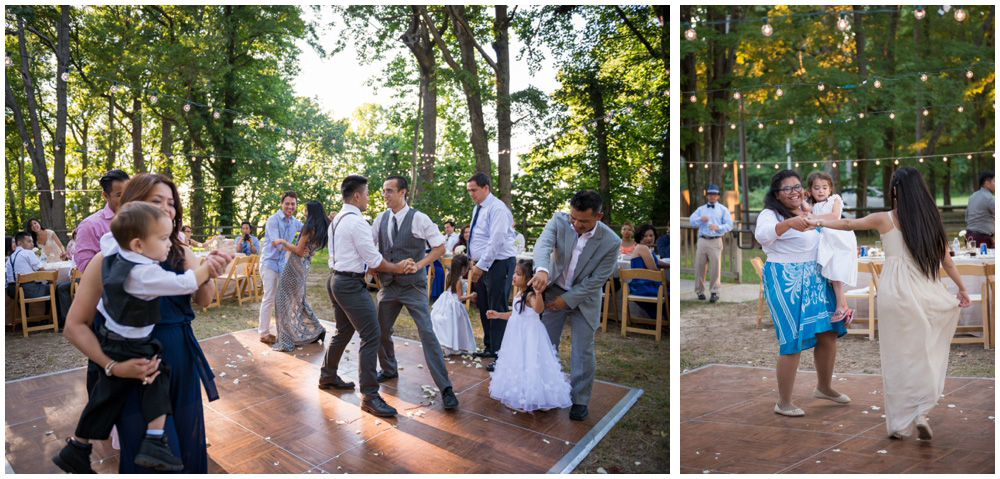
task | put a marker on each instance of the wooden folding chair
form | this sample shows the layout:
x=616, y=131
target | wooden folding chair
x=75, y=276
x=991, y=273
x=758, y=266
x=870, y=293
x=964, y=334
x=626, y=275
x=609, y=307
x=51, y=277
x=256, y=280
x=238, y=265
x=243, y=273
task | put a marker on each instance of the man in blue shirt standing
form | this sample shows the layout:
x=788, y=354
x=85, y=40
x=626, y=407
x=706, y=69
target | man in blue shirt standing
x=713, y=221
x=280, y=225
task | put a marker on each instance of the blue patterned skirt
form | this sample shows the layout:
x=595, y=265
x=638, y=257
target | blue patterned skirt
x=801, y=302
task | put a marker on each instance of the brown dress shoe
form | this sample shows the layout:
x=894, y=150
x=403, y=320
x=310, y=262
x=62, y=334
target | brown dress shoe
x=269, y=339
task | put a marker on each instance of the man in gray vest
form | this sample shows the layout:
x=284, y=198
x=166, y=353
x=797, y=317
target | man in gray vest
x=574, y=257
x=401, y=232
x=352, y=253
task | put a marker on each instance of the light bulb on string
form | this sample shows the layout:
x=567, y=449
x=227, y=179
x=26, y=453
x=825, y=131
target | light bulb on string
x=819, y=121
x=896, y=162
x=961, y=108
x=968, y=73
x=7, y=61
x=114, y=87
x=766, y=29
x=855, y=163
x=959, y=14
x=779, y=92
x=701, y=129
x=741, y=166
x=796, y=164
x=878, y=84
x=736, y=95
x=65, y=75
x=944, y=159
x=921, y=160
x=877, y=162
x=842, y=23
x=923, y=77
x=861, y=115
x=892, y=115
x=919, y=13
x=821, y=86
x=926, y=112
x=690, y=34
x=776, y=166
x=706, y=166
x=693, y=98
x=969, y=157
x=187, y=107
x=732, y=126
x=760, y=126
x=648, y=100
x=815, y=165
x=758, y=165
x=834, y=164
x=153, y=99
x=791, y=121
x=215, y=114
x=690, y=165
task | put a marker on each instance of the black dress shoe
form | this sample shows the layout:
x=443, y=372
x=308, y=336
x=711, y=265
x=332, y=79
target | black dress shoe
x=449, y=399
x=374, y=404
x=74, y=458
x=337, y=383
x=321, y=337
x=578, y=412
x=701, y=296
x=491, y=366
x=714, y=298
x=382, y=377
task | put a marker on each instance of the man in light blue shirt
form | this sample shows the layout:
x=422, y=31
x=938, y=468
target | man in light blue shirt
x=491, y=250
x=713, y=221
x=280, y=225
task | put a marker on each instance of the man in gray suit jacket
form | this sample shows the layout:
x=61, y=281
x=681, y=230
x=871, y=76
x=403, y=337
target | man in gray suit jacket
x=574, y=257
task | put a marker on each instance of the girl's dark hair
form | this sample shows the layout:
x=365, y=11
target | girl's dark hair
x=27, y=227
x=7, y=249
x=525, y=266
x=458, y=263
x=771, y=201
x=641, y=231
x=818, y=175
x=461, y=237
x=316, y=224
x=138, y=189
x=919, y=219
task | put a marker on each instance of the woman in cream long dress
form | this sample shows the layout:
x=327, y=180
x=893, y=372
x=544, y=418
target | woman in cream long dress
x=917, y=315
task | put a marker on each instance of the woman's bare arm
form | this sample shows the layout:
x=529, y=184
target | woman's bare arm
x=206, y=292
x=949, y=267
x=300, y=248
x=642, y=251
x=875, y=221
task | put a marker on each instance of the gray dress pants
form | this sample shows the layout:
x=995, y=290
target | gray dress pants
x=583, y=360
x=391, y=299
x=354, y=310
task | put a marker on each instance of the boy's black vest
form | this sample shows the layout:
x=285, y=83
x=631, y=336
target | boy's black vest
x=404, y=245
x=125, y=309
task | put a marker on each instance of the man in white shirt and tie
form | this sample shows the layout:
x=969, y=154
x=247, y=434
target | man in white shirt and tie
x=352, y=252
x=401, y=232
x=450, y=236
x=713, y=221
x=491, y=251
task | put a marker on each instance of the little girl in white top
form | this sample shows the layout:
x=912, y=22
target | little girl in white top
x=838, y=250
x=449, y=318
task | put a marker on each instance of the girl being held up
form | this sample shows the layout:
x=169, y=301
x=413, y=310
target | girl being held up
x=527, y=375
x=448, y=315
x=837, y=255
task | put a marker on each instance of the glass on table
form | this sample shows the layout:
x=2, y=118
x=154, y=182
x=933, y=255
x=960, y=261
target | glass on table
x=878, y=245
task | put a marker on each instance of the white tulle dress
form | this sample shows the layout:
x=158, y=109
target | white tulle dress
x=528, y=376
x=451, y=324
x=838, y=250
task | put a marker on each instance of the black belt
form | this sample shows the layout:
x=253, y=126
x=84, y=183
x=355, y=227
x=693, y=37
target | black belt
x=709, y=237
x=978, y=233
x=104, y=331
x=349, y=274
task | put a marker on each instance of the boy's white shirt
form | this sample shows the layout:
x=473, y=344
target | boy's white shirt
x=146, y=281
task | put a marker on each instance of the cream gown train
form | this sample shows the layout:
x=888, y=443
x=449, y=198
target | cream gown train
x=917, y=317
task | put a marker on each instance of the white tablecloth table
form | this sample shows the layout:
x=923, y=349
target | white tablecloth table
x=63, y=267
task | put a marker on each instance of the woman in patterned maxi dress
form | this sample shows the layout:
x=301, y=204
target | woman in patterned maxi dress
x=297, y=324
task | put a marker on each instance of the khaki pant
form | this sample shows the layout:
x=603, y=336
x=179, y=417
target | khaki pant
x=709, y=254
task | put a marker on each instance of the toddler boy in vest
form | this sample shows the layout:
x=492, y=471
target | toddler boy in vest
x=130, y=304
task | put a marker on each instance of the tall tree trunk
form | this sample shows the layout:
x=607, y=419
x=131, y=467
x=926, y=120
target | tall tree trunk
x=196, y=207
x=57, y=220
x=689, y=148
x=138, y=160
x=596, y=98
x=890, y=68
x=166, y=146
x=470, y=86
x=501, y=45
x=861, y=61
x=660, y=215
x=418, y=40
x=11, y=198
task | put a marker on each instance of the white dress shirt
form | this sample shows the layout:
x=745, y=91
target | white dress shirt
x=493, y=236
x=565, y=280
x=422, y=226
x=146, y=281
x=450, y=241
x=791, y=247
x=350, y=243
x=22, y=261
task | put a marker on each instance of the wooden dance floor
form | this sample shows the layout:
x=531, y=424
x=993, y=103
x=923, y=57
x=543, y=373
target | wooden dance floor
x=728, y=425
x=272, y=418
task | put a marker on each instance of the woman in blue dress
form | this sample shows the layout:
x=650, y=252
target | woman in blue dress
x=185, y=428
x=644, y=257
x=800, y=299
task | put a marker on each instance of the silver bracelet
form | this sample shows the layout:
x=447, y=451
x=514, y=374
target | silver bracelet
x=107, y=369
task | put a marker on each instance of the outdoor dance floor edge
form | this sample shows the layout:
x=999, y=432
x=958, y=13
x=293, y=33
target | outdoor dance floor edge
x=271, y=418
x=728, y=426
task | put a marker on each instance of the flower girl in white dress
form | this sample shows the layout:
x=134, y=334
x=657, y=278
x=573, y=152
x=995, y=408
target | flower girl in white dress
x=838, y=250
x=528, y=376
x=449, y=318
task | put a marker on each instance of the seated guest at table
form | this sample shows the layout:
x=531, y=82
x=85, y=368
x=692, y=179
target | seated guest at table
x=463, y=241
x=450, y=236
x=187, y=239
x=980, y=215
x=46, y=240
x=628, y=242
x=247, y=243
x=645, y=258
x=24, y=261
x=663, y=244
x=71, y=246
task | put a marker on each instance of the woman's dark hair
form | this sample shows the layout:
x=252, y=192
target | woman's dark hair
x=27, y=227
x=138, y=189
x=771, y=201
x=641, y=231
x=316, y=224
x=525, y=266
x=919, y=219
x=461, y=237
x=458, y=263
x=7, y=249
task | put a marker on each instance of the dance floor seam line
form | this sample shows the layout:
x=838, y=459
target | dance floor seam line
x=704, y=366
x=730, y=406
x=251, y=431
